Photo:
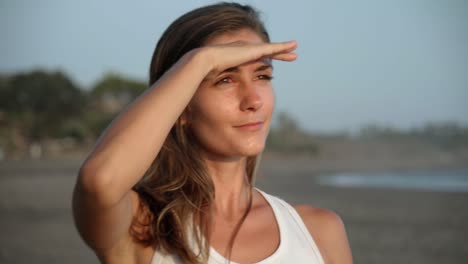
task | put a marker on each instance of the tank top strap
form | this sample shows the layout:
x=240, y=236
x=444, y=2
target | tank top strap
x=290, y=215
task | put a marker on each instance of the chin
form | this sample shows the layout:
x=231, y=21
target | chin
x=252, y=150
x=236, y=147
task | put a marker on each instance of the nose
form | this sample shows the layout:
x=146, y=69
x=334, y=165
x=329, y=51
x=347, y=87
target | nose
x=251, y=99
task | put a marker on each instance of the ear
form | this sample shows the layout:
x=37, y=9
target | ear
x=185, y=117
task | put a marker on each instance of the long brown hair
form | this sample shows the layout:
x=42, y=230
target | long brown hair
x=177, y=192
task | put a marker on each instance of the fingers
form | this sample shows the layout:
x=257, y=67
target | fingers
x=224, y=56
x=285, y=56
x=281, y=47
x=281, y=50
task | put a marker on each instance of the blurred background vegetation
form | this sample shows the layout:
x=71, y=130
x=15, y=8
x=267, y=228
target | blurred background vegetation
x=45, y=114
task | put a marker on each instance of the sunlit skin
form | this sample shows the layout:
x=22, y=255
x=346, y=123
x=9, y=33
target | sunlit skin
x=232, y=112
x=226, y=86
x=226, y=102
x=231, y=115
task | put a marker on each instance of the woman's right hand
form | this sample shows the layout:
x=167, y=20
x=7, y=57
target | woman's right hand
x=222, y=57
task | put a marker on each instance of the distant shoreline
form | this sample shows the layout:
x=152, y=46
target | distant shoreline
x=279, y=163
x=318, y=165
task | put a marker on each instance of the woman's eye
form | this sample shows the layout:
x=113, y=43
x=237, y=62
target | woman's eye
x=224, y=80
x=265, y=77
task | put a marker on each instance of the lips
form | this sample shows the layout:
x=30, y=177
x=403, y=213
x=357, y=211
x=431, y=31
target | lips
x=251, y=125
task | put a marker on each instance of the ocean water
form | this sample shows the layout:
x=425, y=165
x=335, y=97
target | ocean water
x=433, y=180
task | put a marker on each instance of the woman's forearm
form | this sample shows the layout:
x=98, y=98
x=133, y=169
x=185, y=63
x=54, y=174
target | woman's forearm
x=131, y=142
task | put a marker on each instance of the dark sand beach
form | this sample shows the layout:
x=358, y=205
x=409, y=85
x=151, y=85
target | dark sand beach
x=384, y=225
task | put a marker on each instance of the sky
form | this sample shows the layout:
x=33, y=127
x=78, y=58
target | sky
x=393, y=63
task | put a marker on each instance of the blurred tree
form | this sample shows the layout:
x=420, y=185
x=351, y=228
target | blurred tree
x=287, y=125
x=446, y=135
x=108, y=97
x=287, y=137
x=113, y=92
x=39, y=102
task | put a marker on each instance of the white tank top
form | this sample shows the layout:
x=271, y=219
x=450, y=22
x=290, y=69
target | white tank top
x=296, y=243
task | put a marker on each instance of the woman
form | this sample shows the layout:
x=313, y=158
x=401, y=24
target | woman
x=171, y=179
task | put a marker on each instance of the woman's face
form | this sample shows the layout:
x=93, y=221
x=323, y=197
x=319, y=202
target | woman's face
x=230, y=113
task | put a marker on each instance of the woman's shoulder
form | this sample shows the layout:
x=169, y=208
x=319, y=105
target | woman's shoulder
x=328, y=230
x=316, y=216
x=324, y=225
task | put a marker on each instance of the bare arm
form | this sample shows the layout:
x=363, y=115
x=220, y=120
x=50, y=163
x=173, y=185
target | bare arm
x=103, y=202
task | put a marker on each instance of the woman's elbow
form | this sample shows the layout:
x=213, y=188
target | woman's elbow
x=95, y=183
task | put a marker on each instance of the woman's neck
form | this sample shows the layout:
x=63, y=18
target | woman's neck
x=231, y=187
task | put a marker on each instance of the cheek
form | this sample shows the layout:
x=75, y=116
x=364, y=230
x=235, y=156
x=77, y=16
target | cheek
x=212, y=109
x=209, y=123
x=210, y=116
x=213, y=115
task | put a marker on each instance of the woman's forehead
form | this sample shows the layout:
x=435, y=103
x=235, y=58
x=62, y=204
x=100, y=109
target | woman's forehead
x=244, y=36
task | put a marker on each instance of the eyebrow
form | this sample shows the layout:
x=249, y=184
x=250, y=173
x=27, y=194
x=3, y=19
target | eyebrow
x=265, y=66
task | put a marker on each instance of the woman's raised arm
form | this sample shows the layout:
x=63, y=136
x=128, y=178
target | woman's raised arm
x=103, y=201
